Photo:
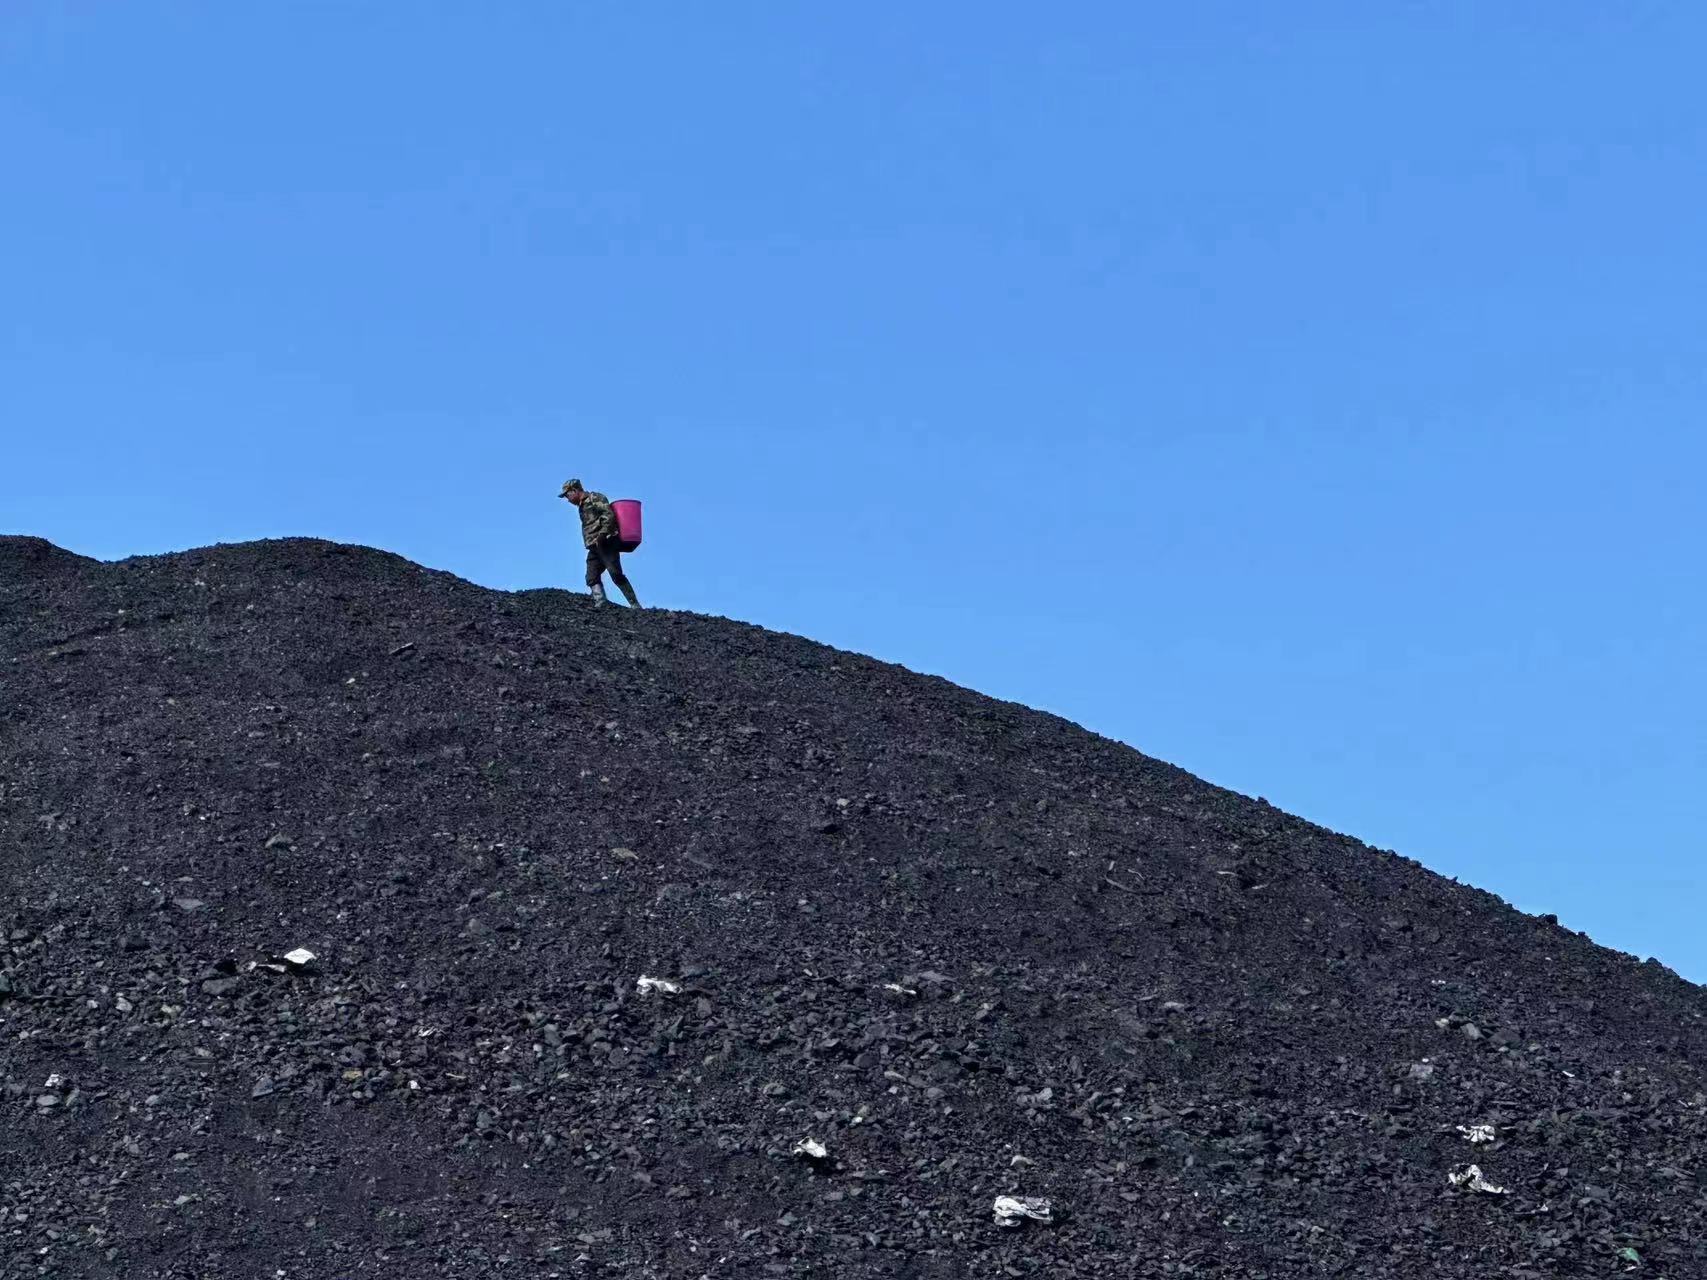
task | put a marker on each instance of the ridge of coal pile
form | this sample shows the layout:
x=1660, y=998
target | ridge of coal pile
x=964, y=949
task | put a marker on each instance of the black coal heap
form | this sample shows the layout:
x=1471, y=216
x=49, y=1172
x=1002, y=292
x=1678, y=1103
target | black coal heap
x=970, y=949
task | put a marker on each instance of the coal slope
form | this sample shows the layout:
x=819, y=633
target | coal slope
x=970, y=949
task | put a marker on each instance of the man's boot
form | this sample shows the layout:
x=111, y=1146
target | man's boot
x=598, y=595
x=628, y=593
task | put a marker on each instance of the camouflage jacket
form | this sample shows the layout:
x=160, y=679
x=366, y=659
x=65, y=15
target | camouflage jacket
x=598, y=521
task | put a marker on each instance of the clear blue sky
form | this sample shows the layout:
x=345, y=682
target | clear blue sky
x=1309, y=394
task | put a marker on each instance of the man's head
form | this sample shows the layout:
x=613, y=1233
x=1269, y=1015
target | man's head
x=573, y=491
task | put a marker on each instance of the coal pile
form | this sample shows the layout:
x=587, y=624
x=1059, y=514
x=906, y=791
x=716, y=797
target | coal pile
x=361, y=922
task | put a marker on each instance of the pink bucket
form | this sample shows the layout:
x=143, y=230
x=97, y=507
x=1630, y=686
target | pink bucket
x=627, y=522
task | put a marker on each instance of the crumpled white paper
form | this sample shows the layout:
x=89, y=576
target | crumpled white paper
x=1012, y=1211
x=1471, y=1176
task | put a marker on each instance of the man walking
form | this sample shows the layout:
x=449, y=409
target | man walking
x=604, y=550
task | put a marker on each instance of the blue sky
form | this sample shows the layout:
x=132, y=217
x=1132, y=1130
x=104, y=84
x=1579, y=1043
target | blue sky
x=1309, y=394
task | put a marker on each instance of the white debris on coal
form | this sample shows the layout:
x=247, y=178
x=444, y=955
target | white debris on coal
x=662, y=986
x=1012, y=1211
x=898, y=989
x=811, y=1149
x=1471, y=1176
x=1477, y=1134
x=300, y=957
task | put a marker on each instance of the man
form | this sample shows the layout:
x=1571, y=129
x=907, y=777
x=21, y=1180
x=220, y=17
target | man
x=599, y=532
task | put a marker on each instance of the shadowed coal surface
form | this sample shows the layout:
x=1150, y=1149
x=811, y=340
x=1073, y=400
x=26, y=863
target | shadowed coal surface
x=971, y=949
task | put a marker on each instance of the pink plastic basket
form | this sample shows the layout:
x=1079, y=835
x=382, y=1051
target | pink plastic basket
x=627, y=522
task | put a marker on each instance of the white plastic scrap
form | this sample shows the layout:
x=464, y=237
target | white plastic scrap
x=898, y=989
x=1012, y=1211
x=54, y=1081
x=1477, y=1134
x=1471, y=1176
x=663, y=986
x=299, y=957
x=811, y=1148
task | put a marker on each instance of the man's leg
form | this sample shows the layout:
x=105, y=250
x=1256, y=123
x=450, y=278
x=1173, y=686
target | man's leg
x=613, y=562
x=595, y=571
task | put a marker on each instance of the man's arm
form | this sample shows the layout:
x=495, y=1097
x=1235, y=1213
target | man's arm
x=603, y=516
